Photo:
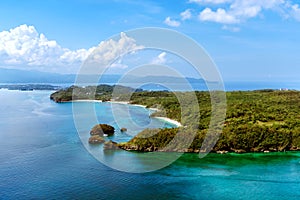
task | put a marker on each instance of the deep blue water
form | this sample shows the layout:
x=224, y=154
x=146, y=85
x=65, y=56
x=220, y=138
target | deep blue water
x=42, y=156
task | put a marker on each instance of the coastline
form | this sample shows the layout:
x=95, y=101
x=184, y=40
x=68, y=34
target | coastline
x=171, y=121
x=87, y=100
x=165, y=119
x=265, y=121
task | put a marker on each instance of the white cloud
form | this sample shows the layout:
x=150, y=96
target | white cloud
x=171, y=22
x=186, y=14
x=160, y=59
x=220, y=16
x=228, y=12
x=251, y=8
x=24, y=46
x=119, y=65
x=239, y=10
x=295, y=11
x=108, y=51
x=210, y=1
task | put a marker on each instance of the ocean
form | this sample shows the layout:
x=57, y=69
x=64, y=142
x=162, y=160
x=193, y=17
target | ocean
x=44, y=155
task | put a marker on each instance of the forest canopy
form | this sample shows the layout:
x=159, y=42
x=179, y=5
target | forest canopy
x=256, y=121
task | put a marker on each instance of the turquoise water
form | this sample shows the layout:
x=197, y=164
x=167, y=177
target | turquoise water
x=42, y=156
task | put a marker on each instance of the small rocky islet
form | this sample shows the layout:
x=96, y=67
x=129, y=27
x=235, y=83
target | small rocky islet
x=100, y=130
x=96, y=139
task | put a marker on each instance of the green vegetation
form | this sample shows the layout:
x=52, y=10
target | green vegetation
x=256, y=121
x=100, y=92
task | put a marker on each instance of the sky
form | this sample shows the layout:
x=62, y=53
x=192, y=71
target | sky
x=248, y=40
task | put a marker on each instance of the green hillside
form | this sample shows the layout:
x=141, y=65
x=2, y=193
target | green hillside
x=256, y=121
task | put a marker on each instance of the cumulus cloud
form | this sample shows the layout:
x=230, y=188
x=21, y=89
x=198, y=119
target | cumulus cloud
x=186, y=14
x=119, y=65
x=24, y=46
x=237, y=11
x=295, y=11
x=220, y=16
x=251, y=8
x=160, y=59
x=113, y=50
x=171, y=22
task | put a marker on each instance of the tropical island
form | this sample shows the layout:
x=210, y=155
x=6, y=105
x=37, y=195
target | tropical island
x=256, y=121
x=29, y=87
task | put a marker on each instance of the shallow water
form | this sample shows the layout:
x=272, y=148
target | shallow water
x=42, y=156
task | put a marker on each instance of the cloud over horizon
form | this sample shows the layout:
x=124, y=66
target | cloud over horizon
x=23, y=46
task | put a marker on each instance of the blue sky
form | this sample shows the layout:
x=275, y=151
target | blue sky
x=247, y=39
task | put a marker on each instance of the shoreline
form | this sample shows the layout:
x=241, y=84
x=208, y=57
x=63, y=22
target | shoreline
x=171, y=121
x=86, y=100
x=165, y=119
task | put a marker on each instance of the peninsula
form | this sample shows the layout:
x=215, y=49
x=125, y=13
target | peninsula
x=256, y=121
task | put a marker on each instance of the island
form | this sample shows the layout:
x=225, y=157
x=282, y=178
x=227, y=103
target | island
x=256, y=121
x=96, y=139
x=30, y=87
x=123, y=130
x=101, y=92
x=100, y=130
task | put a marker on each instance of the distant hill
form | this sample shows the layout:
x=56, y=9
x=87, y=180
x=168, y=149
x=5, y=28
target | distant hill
x=25, y=76
x=161, y=79
x=30, y=87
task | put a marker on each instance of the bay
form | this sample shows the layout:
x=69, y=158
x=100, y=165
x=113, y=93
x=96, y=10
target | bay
x=42, y=156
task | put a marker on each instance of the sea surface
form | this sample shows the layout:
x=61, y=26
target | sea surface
x=228, y=85
x=44, y=155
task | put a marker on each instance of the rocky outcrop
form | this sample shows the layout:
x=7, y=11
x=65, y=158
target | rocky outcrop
x=239, y=151
x=102, y=129
x=123, y=129
x=96, y=139
x=110, y=145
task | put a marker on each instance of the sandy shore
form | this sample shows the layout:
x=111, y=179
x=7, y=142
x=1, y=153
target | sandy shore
x=119, y=102
x=171, y=121
x=87, y=100
x=127, y=103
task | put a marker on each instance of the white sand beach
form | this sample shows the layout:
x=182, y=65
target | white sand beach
x=127, y=103
x=87, y=100
x=119, y=102
x=171, y=121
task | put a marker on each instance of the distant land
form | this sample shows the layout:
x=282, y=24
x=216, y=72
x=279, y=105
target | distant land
x=30, y=87
x=24, y=76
